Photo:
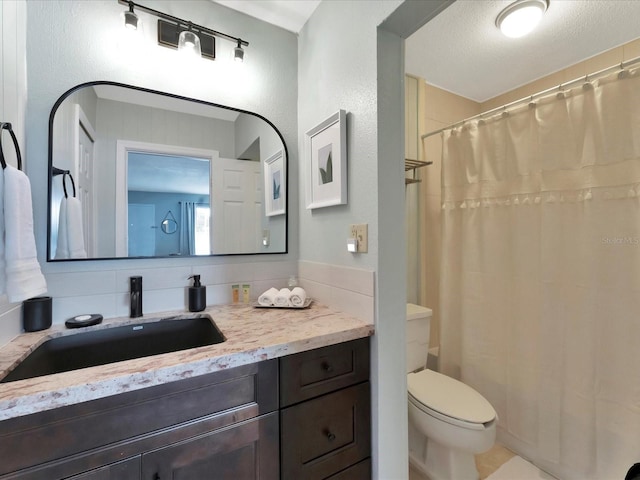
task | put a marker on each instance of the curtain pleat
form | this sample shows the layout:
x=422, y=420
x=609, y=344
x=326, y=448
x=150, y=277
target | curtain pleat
x=540, y=277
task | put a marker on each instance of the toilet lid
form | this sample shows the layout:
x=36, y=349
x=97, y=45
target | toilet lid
x=449, y=397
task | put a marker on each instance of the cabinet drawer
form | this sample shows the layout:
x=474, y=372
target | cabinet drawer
x=316, y=372
x=247, y=450
x=325, y=435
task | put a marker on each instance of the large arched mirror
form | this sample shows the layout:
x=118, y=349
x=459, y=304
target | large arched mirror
x=135, y=154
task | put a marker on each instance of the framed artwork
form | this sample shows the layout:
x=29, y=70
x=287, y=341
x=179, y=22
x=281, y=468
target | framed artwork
x=274, y=185
x=326, y=146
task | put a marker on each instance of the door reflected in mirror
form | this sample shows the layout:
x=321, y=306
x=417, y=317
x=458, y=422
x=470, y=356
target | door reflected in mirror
x=169, y=176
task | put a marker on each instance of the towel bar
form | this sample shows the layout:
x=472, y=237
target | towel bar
x=58, y=171
x=7, y=126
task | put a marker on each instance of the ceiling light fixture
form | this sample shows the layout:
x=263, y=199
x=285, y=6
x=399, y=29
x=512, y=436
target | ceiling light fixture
x=181, y=34
x=521, y=17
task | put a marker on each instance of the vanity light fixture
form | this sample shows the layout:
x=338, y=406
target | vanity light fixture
x=521, y=17
x=177, y=33
x=238, y=53
x=189, y=42
x=130, y=18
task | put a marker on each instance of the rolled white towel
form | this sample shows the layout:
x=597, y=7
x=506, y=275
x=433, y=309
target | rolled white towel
x=267, y=299
x=298, y=297
x=282, y=298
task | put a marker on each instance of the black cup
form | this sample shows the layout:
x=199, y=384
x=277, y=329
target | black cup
x=36, y=314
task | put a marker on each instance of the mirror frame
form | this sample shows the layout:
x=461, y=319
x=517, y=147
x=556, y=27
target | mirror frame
x=50, y=170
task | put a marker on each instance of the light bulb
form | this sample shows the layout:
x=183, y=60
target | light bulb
x=189, y=43
x=238, y=54
x=130, y=20
x=521, y=17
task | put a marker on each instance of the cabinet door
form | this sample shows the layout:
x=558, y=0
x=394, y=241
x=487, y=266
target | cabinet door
x=125, y=470
x=248, y=450
x=323, y=436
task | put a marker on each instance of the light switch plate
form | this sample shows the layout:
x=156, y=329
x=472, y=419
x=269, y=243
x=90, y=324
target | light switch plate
x=360, y=232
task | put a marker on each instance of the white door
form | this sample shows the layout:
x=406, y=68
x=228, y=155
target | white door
x=236, y=206
x=85, y=187
x=142, y=230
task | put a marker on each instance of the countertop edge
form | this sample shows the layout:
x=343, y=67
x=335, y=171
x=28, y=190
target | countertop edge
x=289, y=333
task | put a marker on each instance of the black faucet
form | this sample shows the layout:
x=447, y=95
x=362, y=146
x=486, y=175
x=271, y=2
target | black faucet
x=135, y=297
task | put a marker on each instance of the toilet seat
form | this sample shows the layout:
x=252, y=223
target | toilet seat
x=449, y=400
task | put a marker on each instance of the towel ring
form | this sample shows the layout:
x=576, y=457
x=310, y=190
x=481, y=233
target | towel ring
x=7, y=126
x=64, y=183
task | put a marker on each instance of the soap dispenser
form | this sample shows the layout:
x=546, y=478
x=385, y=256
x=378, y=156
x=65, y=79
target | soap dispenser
x=197, y=295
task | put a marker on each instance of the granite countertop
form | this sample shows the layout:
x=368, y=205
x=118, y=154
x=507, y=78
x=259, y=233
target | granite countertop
x=252, y=335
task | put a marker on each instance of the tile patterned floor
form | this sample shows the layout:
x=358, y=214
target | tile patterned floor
x=491, y=460
x=487, y=462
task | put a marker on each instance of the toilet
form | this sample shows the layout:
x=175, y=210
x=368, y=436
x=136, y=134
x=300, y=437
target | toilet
x=449, y=422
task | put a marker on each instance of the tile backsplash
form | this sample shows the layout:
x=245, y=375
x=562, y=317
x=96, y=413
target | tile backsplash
x=349, y=290
x=10, y=320
x=164, y=288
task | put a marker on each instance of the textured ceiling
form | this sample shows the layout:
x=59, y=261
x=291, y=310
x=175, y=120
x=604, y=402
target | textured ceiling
x=462, y=51
x=288, y=14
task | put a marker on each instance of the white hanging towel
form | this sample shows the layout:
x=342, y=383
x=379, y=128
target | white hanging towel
x=3, y=264
x=21, y=270
x=70, y=234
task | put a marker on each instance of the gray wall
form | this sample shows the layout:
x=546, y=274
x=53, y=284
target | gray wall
x=90, y=47
x=338, y=68
x=351, y=57
x=265, y=83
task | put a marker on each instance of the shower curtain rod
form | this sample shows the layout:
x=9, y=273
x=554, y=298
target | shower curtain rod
x=621, y=66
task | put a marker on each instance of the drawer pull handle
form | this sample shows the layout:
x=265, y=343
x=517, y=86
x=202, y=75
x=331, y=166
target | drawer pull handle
x=330, y=436
x=327, y=367
x=156, y=476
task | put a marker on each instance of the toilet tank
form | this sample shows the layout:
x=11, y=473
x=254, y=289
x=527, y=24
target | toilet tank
x=418, y=331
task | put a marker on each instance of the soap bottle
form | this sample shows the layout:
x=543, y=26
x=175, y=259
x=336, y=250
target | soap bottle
x=197, y=295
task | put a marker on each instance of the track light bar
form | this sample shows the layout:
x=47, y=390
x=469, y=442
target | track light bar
x=170, y=27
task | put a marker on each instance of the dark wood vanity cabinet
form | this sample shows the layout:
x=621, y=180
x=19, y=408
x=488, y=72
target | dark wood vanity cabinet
x=325, y=416
x=216, y=423
x=305, y=416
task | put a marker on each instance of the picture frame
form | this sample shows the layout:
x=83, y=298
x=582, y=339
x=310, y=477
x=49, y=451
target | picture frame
x=275, y=185
x=326, y=147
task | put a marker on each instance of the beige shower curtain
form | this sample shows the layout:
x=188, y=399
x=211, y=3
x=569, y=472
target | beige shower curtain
x=540, y=281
